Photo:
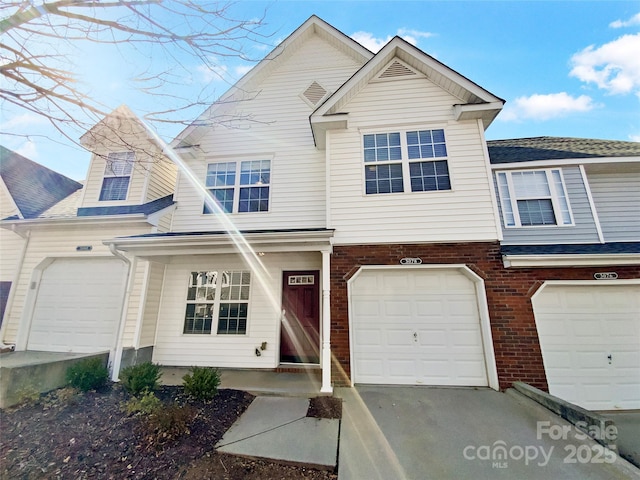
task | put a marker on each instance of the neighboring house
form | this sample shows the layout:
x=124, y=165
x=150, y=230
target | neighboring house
x=335, y=211
x=27, y=189
x=72, y=294
x=570, y=213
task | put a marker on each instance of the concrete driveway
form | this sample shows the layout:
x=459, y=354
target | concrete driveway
x=458, y=433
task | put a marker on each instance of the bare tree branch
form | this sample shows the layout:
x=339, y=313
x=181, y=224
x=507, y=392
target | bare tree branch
x=40, y=42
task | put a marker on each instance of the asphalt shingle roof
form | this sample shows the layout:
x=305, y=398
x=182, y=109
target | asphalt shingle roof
x=34, y=188
x=146, y=208
x=556, y=148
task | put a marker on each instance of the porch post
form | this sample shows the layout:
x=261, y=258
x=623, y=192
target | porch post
x=326, y=323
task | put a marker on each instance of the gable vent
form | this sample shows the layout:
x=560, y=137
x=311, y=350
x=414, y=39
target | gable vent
x=314, y=93
x=397, y=69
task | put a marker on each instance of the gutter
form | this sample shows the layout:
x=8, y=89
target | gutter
x=115, y=355
x=570, y=260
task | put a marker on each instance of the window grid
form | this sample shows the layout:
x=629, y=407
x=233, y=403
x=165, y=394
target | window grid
x=532, y=198
x=212, y=294
x=391, y=166
x=252, y=185
x=117, y=174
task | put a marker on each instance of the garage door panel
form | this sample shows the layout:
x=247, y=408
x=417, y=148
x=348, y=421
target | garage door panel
x=77, y=307
x=426, y=321
x=579, y=326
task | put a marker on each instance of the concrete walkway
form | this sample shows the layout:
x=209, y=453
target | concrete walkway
x=277, y=428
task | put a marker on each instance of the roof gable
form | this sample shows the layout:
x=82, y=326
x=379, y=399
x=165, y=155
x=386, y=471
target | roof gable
x=398, y=58
x=33, y=188
x=243, y=89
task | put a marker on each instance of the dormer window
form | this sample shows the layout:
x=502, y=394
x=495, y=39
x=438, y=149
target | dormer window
x=117, y=176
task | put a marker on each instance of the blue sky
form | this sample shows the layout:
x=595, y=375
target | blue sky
x=564, y=68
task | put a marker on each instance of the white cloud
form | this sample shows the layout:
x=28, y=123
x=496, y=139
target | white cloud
x=374, y=44
x=635, y=20
x=21, y=121
x=28, y=150
x=213, y=71
x=614, y=66
x=634, y=138
x=545, y=107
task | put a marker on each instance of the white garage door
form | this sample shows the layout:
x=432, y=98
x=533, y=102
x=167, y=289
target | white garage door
x=590, y=341
x=78, y=306
x=416, y=326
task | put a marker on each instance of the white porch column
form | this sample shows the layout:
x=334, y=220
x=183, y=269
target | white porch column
x=326, y=323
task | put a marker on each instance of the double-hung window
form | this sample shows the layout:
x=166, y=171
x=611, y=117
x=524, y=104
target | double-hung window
x=533, y=198
x=238, y=187
x=409, y=161
x=117, y=176
x=218, y=298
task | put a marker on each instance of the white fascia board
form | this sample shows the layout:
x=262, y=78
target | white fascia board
x=472, y=111
x=224, y=243
x=320, y=125
x=56, y=221
x=573, y=260
x=563, y=162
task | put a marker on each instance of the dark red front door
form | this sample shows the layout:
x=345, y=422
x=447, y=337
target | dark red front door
x=301, y=317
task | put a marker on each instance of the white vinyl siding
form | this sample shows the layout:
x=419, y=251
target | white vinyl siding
x=617, y=200
x=173, y=347
x=465, y=213
x=582, y=231
x=155, y=280
x=279, y=126
x=162, y=180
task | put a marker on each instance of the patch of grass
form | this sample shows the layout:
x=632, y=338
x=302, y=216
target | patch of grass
x=89, y=374
x=27, y=396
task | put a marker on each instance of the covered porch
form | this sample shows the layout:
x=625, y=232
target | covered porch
x=254, y=300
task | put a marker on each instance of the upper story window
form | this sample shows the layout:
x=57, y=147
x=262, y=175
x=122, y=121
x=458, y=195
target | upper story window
x=117, y=176
x=533, y=198
x=217, y=296
x=413, y=161
x=239, y=186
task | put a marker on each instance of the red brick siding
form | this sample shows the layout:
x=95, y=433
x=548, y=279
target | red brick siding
x=509, y=291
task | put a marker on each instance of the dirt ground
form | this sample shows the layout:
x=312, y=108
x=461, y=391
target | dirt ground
x=70, y=435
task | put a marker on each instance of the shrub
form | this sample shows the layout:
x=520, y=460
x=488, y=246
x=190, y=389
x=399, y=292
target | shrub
x=88, y=374
x=146, y=404
x=202, y=383
x=168, y=423
x=138, y=378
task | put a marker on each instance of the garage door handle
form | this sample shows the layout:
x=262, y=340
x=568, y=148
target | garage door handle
x=609, y=357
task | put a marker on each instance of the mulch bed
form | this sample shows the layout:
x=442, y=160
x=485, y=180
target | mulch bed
x=71, y=435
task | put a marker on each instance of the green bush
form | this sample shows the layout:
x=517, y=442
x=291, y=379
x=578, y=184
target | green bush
x=138, y=378
x=146, y=404
x=88, y=374
x=202, y=383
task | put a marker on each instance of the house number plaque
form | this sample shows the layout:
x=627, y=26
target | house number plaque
x=605, y=276
x=410, y=261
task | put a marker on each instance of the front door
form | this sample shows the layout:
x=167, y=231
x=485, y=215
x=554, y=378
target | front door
x=300, y=338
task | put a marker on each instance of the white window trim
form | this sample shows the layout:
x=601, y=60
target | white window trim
x=237, y=186
x=217, y=300
x=106, y=173
x=555, y=202
x=405, y=161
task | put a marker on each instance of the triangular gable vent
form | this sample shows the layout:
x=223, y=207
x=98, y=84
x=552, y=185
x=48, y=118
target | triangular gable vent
x=397, y=69
x=314, y=93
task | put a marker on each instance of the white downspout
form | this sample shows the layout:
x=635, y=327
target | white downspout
x=326, y=323
x=115, y=355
